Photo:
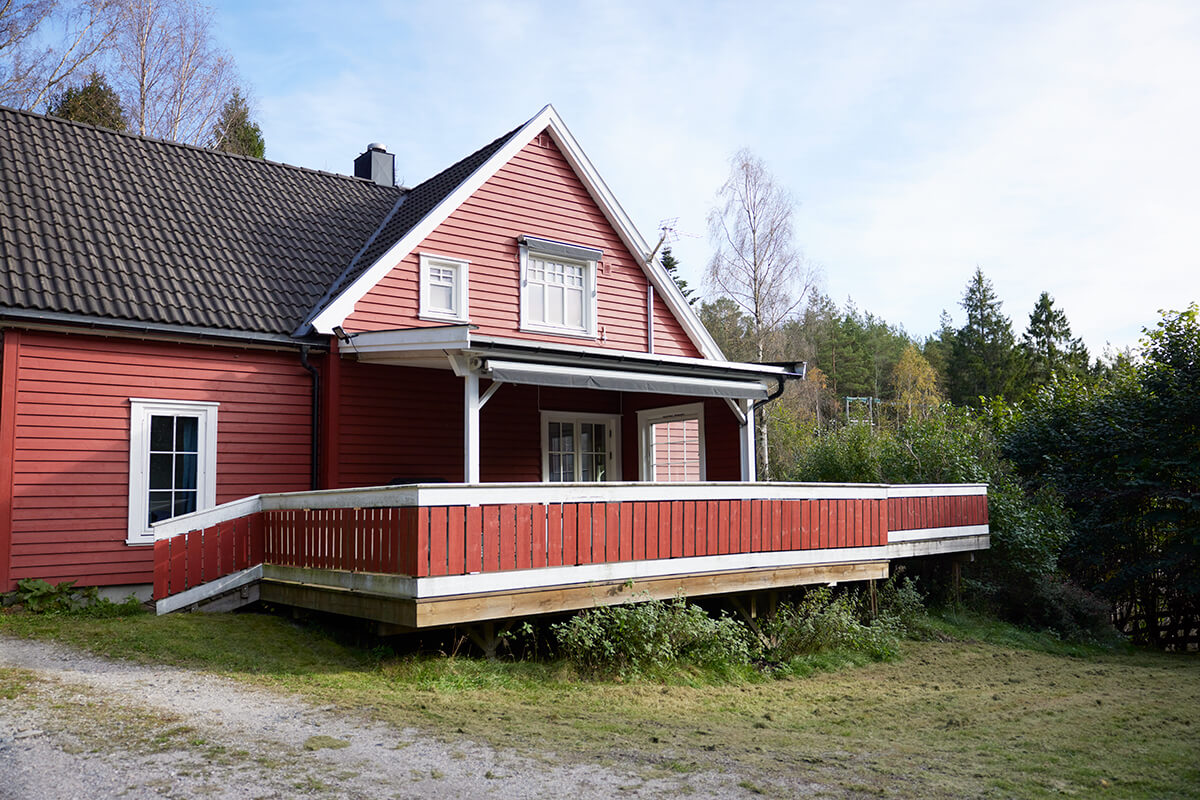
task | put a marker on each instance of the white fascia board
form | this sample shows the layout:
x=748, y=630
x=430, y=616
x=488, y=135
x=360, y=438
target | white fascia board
x=457, y=494
x=546, y=577
x=441, y=337
x=930, y=534
x=609, y=353
x=342, y=306
x=937, y=489
x=541, y=374
x=663, y=283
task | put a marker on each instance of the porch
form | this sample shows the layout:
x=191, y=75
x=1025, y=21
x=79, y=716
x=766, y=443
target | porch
x=424, y=556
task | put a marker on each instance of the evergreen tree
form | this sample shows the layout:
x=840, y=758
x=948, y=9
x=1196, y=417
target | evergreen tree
x=939, y=346
x=234, y=132
x=984, y=360
x=93, y=103
x=671, y=265
x=730, y=327
x=1048, y=346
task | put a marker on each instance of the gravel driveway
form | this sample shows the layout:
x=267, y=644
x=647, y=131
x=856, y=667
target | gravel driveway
x=77, y=726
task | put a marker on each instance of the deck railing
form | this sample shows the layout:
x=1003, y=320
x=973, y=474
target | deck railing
x=451, y=530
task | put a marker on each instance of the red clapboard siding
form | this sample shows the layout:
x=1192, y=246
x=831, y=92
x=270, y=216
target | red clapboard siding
x=398, y=422
x=70, y=441
x=536, y=193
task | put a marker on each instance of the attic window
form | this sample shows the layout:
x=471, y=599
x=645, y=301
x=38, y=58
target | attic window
x=443, y=288
x=558, y=287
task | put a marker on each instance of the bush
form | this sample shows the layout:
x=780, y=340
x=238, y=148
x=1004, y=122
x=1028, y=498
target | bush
x=650, y=637
x=824, y=621
x=1055, y=604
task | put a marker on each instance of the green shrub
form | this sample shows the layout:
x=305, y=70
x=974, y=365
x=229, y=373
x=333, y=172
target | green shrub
x=900, y=601
x=826, y=621
x=650, y=637
x=1051, y=603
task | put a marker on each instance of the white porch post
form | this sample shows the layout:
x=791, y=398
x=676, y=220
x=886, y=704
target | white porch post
x=471, y=427
x=749, y=463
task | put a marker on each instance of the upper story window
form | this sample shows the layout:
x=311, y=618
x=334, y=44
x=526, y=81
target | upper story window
x=172, y=462
x=558, y=287
x=443, y=288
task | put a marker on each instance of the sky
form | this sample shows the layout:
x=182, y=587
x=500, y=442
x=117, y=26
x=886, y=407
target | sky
x=1051, y=144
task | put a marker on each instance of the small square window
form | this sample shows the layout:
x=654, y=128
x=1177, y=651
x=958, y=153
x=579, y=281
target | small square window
x=443, y=288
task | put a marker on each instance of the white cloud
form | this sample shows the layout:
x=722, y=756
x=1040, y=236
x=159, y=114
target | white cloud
x=1052, y=144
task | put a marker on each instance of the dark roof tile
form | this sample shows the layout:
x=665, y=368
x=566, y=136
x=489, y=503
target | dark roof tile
x=124, y=227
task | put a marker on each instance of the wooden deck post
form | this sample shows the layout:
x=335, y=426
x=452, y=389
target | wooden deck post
x=471, y=427
x=749, y=462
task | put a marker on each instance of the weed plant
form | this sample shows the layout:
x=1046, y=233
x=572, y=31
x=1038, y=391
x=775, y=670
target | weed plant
x=37, y=596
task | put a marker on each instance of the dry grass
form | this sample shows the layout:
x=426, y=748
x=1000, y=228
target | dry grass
x=967, y=718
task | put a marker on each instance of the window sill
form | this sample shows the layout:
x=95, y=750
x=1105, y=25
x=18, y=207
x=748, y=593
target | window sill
x=433, y=316
x=570, y=333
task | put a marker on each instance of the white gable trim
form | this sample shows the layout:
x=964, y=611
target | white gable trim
x=342, y=305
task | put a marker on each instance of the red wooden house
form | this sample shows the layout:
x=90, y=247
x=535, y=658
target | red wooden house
x=470, y=399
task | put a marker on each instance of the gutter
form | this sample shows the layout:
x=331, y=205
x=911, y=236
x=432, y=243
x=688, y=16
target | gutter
x=791, y=374
x=151, y=328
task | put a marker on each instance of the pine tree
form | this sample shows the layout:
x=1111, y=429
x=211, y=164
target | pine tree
x=671, y=265
x=1048, y=346
x=984, y=360
x=93, y=103
x=234, y=131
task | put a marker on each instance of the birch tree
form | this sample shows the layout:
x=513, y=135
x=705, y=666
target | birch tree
x=756, y=262
x=174, y=78
x=43, y=43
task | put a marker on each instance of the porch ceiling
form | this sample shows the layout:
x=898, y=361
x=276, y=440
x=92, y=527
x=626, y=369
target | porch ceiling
x=460, y=348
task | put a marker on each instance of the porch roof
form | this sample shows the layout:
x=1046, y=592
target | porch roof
x=505, y=360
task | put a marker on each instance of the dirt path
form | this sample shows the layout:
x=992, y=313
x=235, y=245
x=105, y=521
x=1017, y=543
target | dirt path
x=73, y=725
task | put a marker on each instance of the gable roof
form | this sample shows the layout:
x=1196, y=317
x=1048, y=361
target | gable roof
x=340, y=304
x=101, y=227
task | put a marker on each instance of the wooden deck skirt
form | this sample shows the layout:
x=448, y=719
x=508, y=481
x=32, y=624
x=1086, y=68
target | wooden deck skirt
x=428, y=555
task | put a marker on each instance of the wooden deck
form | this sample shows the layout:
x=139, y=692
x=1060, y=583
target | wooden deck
x=424, y=556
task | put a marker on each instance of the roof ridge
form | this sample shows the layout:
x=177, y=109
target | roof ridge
x=144, y=138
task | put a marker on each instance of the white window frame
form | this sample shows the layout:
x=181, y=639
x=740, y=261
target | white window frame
x=460, y=267
x=585, y=257
x=613, y=423
x=140, y=413
x=650, y=417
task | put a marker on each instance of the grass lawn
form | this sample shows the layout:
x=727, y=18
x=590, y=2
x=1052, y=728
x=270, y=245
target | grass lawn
x=990, y=712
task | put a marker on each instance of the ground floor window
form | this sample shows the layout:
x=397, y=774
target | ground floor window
x=672, y=443
x=172, y=462
x=579, y=447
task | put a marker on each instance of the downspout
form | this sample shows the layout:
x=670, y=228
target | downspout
x=316, y=417
x=782, y=382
